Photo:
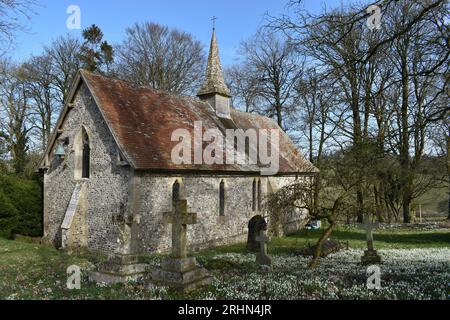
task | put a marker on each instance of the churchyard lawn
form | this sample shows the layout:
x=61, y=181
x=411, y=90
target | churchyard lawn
x=416, y=265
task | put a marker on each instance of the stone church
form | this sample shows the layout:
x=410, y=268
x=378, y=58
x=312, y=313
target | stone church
x=109, y=174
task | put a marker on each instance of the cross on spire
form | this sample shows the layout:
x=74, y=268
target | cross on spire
x=214, y=81
x=179, y=217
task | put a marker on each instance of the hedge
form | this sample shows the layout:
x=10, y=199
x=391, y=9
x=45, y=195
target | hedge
x=20, y=206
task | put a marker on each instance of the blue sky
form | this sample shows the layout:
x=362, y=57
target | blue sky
x=237, y=20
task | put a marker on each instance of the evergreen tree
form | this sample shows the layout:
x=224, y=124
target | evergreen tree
x=96, y=53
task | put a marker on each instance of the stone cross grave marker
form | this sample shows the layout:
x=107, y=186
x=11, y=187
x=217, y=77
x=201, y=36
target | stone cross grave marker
x=370, y=256
x=369, y=227
x=179, y=218
x=123, y=265
x=180, y=271
x=262, y=257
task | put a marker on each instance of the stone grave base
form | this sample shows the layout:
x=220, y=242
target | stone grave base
x=119, y=269
x=264, y=260
x=370, y=257
x=181, y=274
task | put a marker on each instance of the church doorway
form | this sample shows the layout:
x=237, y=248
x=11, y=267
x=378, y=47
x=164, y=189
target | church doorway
x=255, y=225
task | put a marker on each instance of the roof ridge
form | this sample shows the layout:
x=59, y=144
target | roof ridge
x=151, y=148
x=146, y=87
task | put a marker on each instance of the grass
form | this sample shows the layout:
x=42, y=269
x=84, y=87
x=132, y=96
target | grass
x=34, y=271
x=434, y=201
x=383, y=239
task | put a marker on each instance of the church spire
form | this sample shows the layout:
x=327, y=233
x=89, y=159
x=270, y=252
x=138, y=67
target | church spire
x=214, y=82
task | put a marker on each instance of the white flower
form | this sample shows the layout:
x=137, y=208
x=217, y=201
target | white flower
x=405, y=274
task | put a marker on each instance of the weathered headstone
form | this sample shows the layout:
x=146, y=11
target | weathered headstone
x=179, y=271
x=122, y=266
x=255, y=225
x=262, y=258
x=370, y=255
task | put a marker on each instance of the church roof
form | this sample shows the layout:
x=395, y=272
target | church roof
x=142, y=120
x=214, y=81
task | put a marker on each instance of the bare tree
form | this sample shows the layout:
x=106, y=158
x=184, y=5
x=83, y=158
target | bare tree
x=277, y=66
x=390, y=82
x=336, y=48
x=244, y=87
x=11, y=13
x=14, y=108
x=315, y=113
x=411, y=55
x=38, y=72
x=65, y=62
x=335, y=200
x=166, y=59
x=439, y=135
x=435, y=11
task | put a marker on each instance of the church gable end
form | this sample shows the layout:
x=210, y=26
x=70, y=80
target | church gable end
x=90, y=156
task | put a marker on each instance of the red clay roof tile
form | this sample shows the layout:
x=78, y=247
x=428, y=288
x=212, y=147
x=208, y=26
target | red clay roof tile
x=142, y=121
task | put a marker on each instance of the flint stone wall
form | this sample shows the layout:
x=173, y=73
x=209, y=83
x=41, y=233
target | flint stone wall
x=108, y=194
x=106, y=188
x=202, y=194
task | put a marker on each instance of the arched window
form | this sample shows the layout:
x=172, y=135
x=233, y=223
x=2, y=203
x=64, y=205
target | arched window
x=86, y=156
x=175, y=191
x=259, y=194
x=82, y=146
x=222, y=198
x=254, y=195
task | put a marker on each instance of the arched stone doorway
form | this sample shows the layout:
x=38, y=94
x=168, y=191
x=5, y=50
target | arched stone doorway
x=255, y=225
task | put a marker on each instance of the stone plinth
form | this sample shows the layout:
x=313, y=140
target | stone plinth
x=264, y=260
x=370, y=257
x=119, y=269
x=181, y=274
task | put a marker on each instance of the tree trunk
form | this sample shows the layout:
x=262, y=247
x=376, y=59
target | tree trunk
x=332, y=221
x=357, y=143
x=406, y=208
x=315, y=260
x=317, y=184
x=448, y=204
x=404, y=146
x=448, y=199
x=279, y=116
x=378, y=204
x=360, y=204
x=448, y=166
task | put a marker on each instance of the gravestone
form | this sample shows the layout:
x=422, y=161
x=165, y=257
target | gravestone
x=370, y=255
x=179, y=271
x=122, y=266
x=255, y=225
x=262, y=258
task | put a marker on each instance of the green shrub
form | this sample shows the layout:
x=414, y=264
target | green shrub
x=25, y=196
x=8, y=216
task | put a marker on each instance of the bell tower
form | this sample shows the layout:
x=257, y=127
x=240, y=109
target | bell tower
x=214, y=89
